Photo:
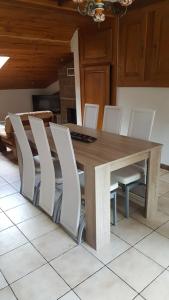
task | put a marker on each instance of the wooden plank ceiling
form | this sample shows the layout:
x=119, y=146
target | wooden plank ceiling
x=35, y=35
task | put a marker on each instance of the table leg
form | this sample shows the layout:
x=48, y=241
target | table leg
x=153, y=172
x=97, y=205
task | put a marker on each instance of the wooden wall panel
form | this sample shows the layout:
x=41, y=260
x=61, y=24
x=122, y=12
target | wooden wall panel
x=132, y=46
x=96, y=46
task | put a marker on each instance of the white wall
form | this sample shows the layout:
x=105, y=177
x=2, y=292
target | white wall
x=151, y=98
x=52, y=88
x=16, y=101
x=20, y=100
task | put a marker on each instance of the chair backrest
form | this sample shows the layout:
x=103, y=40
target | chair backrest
x=112, y=119
x=28, y=166
x=90, y=117
x=47, y=183
x=71, y=199
x=141, y=123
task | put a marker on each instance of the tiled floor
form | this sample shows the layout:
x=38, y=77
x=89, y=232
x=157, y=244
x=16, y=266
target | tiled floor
x=39, y=261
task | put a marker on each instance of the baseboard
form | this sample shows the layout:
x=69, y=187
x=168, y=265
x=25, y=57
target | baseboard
x=165, y=167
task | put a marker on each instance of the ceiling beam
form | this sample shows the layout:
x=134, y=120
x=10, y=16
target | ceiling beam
x=35, y=39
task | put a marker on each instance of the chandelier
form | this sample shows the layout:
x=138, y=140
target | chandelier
x=96, y=8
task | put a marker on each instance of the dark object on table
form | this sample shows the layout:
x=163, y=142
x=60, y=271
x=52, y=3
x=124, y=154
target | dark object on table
x=82, y=137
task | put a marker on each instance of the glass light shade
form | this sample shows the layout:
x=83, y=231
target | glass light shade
x=78, y=1
x=99, y=18
x=125, y=2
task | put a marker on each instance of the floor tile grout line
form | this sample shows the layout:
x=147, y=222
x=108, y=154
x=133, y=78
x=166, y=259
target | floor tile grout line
x=105, y=264
x=153, y=281
x=18, y=223
x=149, y=225
x=113, y=233
x=8, y=195
x=133, y=287
x=47, y=263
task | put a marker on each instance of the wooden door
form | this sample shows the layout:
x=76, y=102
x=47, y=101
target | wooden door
x=157, y=67
x=96, y=87
x=132, y=46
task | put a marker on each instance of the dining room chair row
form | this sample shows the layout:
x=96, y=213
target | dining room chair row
x=140, y=127
x=111, y=120
x=55, y=184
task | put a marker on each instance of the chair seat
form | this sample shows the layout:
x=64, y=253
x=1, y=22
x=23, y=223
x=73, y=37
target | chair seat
x=113, y=183
x=128, y=174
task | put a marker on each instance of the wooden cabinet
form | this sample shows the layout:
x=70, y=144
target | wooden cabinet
x=157, y=67
x=132, y=45
x=96, y=46
x=144, y=47
x=96, y=87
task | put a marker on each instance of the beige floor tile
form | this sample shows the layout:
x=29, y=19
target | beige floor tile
x=163, y=187
x=20, y=262
x=76, y=265
x=110, y=251
x=155, y=222
x=70, y=296
x=11, y=175
x=156, y=247
x=104, y=285
x=159, y=289
x=135, y=269
x=12, y=201
x=4, y=222
x=6, y=190
x=10, y=239
x=130, y=230
x=37, y=226
x=164, y=230
x=163, y=171
x=54, y=243
x=163, y=203
x=42, y=284
x=16, y=185
x=23, y=213
x=7, y=294
x=165, y=177
x=3, y=282
x=2, y=182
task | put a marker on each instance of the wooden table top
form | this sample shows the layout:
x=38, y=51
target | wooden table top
x=107, y=148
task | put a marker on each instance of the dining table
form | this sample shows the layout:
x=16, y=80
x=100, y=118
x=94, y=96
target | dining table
x=109, y=152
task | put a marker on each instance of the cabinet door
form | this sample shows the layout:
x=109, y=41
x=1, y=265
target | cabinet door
x=95, y=46
x=96, y=87
x=157, y=67
x=132, y=46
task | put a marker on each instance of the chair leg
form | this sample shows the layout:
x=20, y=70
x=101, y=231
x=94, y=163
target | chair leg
x=57, y=209
x=36, y=194
x=81, y=229
x=127, y=189
x=114, y=206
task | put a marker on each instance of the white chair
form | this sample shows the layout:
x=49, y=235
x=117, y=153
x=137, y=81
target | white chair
x=29, y=180
x=140, y=126
x=50, y=177
x=90, y=117
x=112, y=119
x=70, y=218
